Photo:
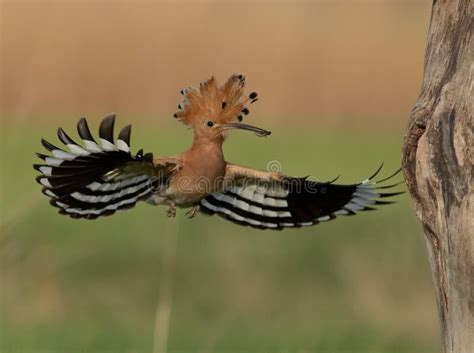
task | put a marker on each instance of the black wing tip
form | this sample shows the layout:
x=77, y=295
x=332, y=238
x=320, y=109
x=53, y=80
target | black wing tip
x=83, y=130
x=378, y=182
x=376, y=172
x=106, y=129
x=335, y=179
x=390, y=194
x=64, y=137
x=49, y=146
x=76, y=215
x=111, y=115
x=109, y=119
x=44, y=192
x=39, y=178
x=390, y=176
x=41, y=156
x=38, y=166
x=125, y=133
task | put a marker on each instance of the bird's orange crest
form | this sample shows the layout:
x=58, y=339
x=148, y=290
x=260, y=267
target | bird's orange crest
x=221, y=104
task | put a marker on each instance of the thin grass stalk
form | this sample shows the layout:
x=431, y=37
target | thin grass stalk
x=165, y=294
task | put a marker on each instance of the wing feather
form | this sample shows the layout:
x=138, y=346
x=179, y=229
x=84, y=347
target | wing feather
x=98, y=180
x=268, y=201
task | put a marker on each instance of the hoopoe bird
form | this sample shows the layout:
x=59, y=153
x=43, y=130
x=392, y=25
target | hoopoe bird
x=99, y=178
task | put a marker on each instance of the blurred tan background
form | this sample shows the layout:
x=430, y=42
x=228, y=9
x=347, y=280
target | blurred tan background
x=336, y=80
x=318, y=59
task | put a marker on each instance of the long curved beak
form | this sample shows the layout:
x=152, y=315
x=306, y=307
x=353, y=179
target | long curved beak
x=260, y=132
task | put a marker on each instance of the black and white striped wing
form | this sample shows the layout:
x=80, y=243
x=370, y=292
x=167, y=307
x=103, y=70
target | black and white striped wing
x=96, y=179
x=296, y=202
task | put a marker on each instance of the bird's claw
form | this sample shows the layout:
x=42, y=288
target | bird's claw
x=193, y=212
x=171, y=212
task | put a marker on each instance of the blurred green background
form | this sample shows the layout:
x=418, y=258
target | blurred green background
x=337, y=80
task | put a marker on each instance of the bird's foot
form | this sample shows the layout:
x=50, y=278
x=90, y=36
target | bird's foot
x=193, y=212
x=171, y=212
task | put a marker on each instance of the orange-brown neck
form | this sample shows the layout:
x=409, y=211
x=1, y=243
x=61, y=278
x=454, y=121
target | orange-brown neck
x=203, y=167
x=206, y=156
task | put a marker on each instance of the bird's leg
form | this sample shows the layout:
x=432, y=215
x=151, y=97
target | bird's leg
x=193, y=211
x=171, y=212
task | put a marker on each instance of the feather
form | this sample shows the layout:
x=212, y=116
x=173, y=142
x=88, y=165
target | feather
x=96, y=181
x=123, y=141
x=221, y=104
x=293, y=202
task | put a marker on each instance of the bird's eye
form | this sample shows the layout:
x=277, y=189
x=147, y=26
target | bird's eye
x=210, y=123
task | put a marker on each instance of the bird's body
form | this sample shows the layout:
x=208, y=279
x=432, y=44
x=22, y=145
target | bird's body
x=98, y=179
x=202, y=167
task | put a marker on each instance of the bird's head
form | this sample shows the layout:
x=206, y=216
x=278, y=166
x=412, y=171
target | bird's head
x=213, y=110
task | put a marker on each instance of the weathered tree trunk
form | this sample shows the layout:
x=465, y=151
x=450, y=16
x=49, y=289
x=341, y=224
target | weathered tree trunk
x=438, y=163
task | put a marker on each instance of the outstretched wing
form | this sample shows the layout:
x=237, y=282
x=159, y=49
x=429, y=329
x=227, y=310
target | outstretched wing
x=266, y=201
x=98, y=179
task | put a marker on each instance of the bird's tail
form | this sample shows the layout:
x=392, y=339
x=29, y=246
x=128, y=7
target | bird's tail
x=96, y=179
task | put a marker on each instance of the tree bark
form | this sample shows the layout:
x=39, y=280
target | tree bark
x=438, y=166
